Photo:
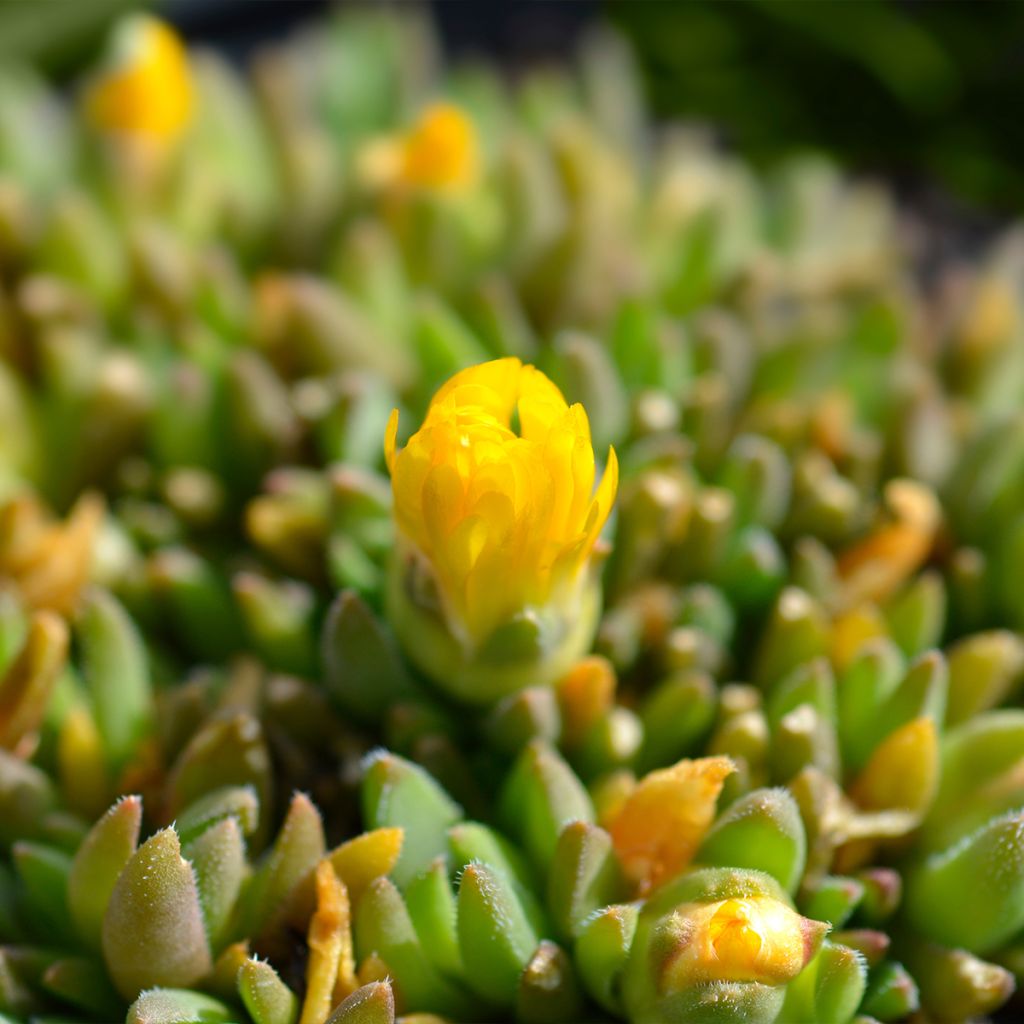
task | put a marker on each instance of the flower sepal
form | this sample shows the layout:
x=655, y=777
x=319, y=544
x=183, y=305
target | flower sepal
x=535, y=646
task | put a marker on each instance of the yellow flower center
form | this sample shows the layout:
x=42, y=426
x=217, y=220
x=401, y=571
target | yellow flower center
x=147, y=92
x=748, y=939
x=505, y=519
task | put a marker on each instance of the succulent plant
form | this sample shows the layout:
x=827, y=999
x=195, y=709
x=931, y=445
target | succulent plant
x=285, y=741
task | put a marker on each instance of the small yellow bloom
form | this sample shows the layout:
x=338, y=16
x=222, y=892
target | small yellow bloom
x=659, y=826
x=499, y=519
x=147, y=91
x=745, y=939
x=439, y=153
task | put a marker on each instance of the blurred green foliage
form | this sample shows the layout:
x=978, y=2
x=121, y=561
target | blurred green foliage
x=917, y=90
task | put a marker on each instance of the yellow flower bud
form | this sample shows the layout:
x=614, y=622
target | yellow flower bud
x=877, y=566
x=497, y=524
x=659, y=826
x=146, y=92
x=440, y=151
x=745, y=939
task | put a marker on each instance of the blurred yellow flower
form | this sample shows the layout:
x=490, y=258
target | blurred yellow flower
x=146, y=91
x=439, y=153
x=746, y=939
x=494, y=498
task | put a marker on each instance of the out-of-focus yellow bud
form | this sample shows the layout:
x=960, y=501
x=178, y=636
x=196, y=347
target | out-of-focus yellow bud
x=146, y=90
x=498, y=524
x=659, y=826
x=49, y=562
x=876, y=567
x=439, y=153
x=746, y=939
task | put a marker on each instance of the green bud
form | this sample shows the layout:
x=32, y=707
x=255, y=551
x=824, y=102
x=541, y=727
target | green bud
x=971, y=895
x=278, y=618
x=969, y=590
x=524, y=716
x=298, y=848
x=813, y=570
x=804, y=737
x=984, y=669
x=26, y=796
x=548, y=991
x=370, y=1004
x=383, y=928
x=432, y=909
x=178, y=1006
x=265, y=996
x=979, y=776
x=956, y=986
x=363, y=672
x=677, y=714
x=199, y=602
x=762, y=831
x=650, y=350
x=584, y=371
x=218, y=860
x=116, y=670
x=77, y=980
x=917, y=617
x=499, y=318
x=870, y=944
x=396, y=792
x=754, y=570
x=883, y=890
x=107, y=848
x=470, y=841
x=443, y=343
x=796, y=632
x=832, y=899
x=495, y=935
x=812, y=684
x=228, y=751
x=709, y=530
x=541, y=795
x=584, y=876
x=922, y=691
x=892, y=994
x=238, y=802
x=829, y=988
x=43, y=873
x=262, y=427
x=757, y=472
x=602, y=949
x=153, y=931
x=867, y=683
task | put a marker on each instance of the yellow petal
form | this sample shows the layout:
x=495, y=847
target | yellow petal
x=658, y=828
x=876, y=567
x=330, y=946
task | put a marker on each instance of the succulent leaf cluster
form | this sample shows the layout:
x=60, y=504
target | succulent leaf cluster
x=333, y=689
